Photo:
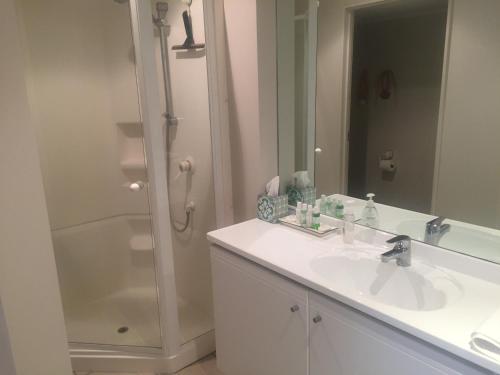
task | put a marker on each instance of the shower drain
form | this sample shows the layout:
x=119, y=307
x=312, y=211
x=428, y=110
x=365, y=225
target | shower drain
x=123, y=329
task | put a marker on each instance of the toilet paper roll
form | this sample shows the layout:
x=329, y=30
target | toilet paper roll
x=387, y=165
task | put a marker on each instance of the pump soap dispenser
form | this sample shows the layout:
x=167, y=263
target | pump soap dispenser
x=370, y=213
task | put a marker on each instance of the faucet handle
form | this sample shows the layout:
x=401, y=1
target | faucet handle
x=401, y=241
x=435, y=223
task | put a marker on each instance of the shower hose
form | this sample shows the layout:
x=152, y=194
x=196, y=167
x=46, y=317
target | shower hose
x=160, y=22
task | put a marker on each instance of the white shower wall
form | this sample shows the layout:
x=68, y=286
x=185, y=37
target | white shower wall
x=84, y=100
x=90, y=48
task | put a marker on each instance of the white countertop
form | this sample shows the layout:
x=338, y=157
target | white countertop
x=292, y=253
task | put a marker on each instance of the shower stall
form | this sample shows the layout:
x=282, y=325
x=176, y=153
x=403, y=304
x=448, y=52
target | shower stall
x=130, y=193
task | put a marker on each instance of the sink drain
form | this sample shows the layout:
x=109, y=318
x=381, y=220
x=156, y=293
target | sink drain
x=123, y=329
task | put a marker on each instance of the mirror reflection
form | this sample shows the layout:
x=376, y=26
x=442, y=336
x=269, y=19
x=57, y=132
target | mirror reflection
x=405, y=103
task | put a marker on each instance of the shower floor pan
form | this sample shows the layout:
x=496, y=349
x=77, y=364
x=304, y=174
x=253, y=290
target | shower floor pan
x=129, y=317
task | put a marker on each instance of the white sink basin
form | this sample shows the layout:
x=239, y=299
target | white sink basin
x=418, y=287
x=459, y=238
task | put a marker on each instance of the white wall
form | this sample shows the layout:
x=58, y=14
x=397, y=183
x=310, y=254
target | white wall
x=250, y=33
x=28, y=280
x=413, y=48
x=468, y=182
x=7, y=366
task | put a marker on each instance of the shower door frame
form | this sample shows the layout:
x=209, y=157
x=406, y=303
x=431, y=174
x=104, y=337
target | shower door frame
x=174, y=353
x=154, y=146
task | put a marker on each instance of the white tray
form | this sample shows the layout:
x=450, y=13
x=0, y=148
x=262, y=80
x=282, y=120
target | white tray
x=324, y=229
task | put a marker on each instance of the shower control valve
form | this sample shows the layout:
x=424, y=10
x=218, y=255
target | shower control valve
x=190, y=206
x=187, y=165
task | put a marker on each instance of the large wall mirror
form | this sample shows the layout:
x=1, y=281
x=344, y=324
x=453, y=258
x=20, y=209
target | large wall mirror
x=398, y=98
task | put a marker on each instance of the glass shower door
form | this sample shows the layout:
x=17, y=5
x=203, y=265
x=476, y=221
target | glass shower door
x=84, y=100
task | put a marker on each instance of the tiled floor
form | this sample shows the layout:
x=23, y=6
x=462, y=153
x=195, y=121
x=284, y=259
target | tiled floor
x=205, y=366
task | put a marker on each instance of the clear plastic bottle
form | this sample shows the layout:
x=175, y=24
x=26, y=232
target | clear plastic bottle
x=349, y=226
x=330, y=208
x=298, y=213
x=309, y=216
x=323, y=204
x=303, y=215
x=370, y=214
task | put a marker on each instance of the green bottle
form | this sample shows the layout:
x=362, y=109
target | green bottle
x=316, y=219
x=339, y=210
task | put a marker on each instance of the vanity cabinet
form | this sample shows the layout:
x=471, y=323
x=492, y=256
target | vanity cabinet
x=260, y=319
x=266, y=324
x=344, y=341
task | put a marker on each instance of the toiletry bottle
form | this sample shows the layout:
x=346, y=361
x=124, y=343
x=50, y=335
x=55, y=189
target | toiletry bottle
x=309, y=216
x=316, y=218
x=339, y=210
x=328, y=205
x=349, y=226
x=298, y=213
x=370, y=213
x=303, y=215
x=323, y=204
x=330, y=208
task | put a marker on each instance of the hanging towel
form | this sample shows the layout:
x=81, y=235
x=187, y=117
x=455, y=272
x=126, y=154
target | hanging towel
x=386, y=85
x=486, y=339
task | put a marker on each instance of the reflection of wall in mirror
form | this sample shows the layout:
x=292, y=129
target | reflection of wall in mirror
x=467, y=185
x=413, y=48
x=468, y=181
x=296, y=50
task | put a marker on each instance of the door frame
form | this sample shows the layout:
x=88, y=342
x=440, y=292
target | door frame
x=442, y=104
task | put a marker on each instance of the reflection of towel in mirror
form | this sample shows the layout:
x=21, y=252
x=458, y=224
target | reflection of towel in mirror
x=301, y=180
x=486, y=339
x=386, y=85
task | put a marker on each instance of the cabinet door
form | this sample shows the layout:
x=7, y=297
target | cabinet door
x=260, y=319
x=346, y=342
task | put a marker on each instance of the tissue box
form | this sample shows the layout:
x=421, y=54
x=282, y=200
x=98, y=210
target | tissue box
x=306, y=195
x=272, y=208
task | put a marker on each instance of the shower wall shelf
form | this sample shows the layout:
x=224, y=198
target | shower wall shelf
x=131, y=126
x=141, y=243
x=131, y=151
x=133, y=165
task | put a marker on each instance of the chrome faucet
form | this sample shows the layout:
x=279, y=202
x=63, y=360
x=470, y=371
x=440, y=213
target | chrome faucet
x=435, y=229
x=401, y=251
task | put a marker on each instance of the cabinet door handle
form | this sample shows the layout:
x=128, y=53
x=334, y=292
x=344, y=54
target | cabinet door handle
x=317, y=319
x=294, y=308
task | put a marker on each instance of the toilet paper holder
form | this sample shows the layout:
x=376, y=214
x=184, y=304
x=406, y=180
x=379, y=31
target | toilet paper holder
x=387, y=163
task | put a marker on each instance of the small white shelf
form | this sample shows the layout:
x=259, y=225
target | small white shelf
x=141, y=242
x=133, y=165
